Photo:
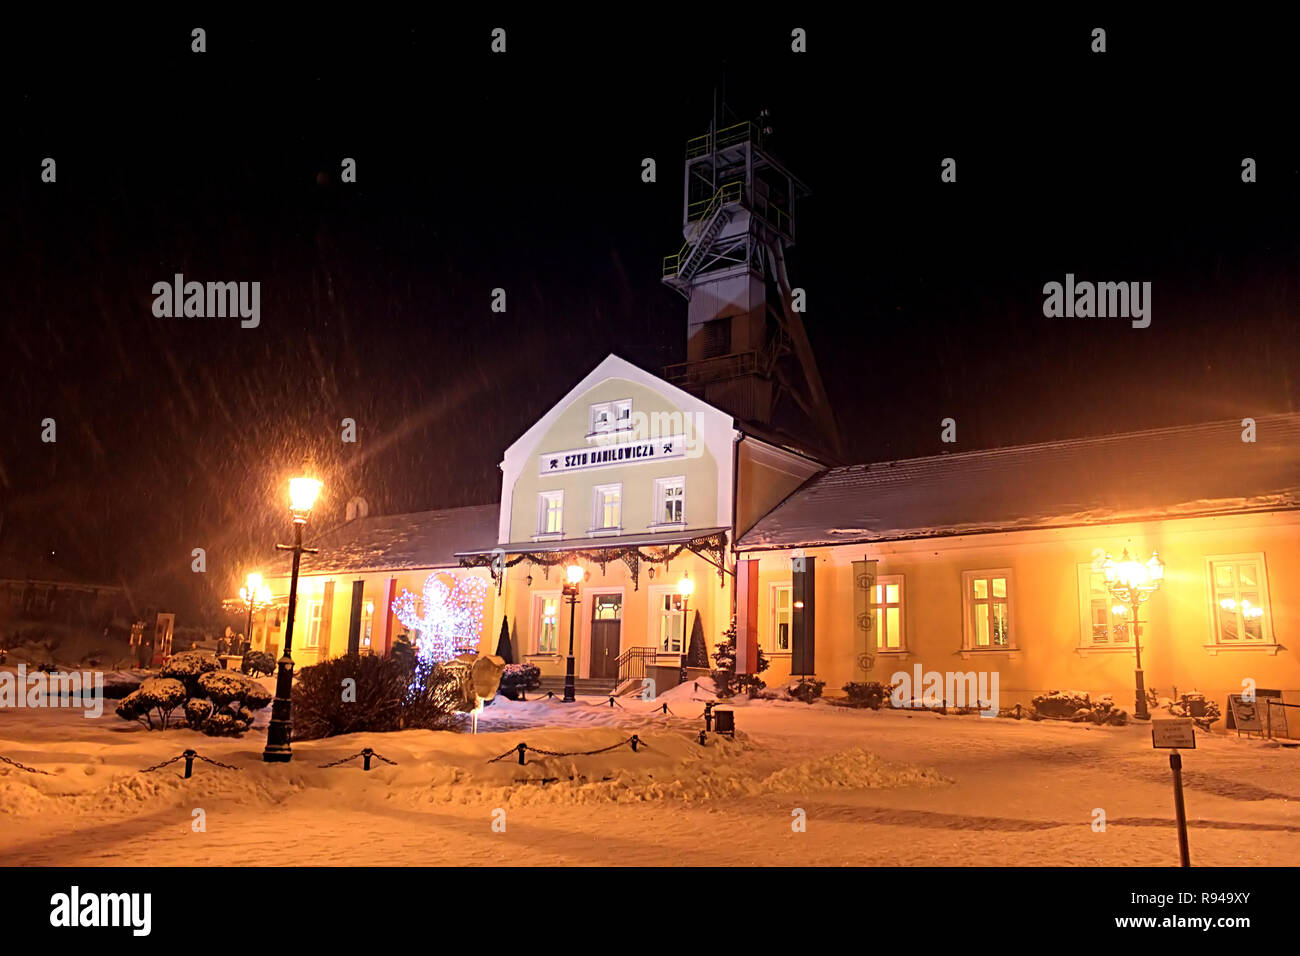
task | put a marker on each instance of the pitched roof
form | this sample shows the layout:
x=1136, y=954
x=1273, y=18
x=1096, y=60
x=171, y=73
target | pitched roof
x=1166, y=472
x=420, y=539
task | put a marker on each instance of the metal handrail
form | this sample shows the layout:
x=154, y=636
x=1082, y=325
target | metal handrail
x=727, y=136
x=632, y=663
x=730, y=192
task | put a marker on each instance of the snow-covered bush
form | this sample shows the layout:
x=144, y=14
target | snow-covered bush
x=156, y=695
x=353, y=694
x=215, y=702
x=520, y=677
x=872, y=693
x=1077, y=706
x=258, y=664
x=1196, y=706
x=806, y=689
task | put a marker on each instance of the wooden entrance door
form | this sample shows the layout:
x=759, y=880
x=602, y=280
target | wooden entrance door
x=606, y=626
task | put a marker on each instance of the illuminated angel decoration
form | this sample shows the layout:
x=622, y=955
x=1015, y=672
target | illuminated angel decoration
x=448, y=619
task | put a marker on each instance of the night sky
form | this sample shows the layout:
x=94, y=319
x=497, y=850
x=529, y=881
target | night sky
x=522, y=171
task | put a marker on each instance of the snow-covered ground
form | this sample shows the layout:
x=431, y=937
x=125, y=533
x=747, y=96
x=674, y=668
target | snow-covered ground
x=877, y=788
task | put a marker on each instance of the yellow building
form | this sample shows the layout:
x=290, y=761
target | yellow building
x=986, y=562
x=992, y=561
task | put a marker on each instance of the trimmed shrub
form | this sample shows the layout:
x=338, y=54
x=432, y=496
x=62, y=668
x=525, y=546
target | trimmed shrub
x=156, y=695
x=520, y=677
x=805, y=689
x=353, y=694
x=872, y=693
x=258, y=664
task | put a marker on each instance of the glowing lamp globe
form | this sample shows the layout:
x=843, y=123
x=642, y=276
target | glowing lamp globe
x=574, y=574
x=302, y=496
x=685, y=587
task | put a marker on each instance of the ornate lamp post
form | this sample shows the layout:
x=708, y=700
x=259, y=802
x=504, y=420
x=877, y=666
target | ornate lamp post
x=302, y=496
x=256, y=595
x=1132, y=582
x=573, y=576
x=685, y=588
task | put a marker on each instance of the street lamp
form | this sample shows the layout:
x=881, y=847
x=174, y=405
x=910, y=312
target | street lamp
x=572, y=578
x=256, y=595
x=685, y=587
x=1132, y=582
x=302, y=496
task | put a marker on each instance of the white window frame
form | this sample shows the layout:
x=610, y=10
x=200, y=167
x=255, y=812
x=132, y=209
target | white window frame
x=1087, y=643
x=660, y=499
x=598, y=527
x=535, y=622
x=1267, y=641
x=657, y=595
x=617, y=408
x=970, y=604
x=879, y=608
x=773, y=610
x=311, y=634
x=593, y=427
x=544, y=499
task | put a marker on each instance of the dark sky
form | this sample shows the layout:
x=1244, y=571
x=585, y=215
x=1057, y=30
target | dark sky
x=522, y=171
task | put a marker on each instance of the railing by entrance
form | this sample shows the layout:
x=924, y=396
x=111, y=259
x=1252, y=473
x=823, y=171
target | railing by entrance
x=633, y=663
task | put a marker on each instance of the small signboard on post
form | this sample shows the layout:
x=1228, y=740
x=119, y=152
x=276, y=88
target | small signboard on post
x=1178, y=733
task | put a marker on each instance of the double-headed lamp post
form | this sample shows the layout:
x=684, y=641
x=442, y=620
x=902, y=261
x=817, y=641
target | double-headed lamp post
x=572, y=578
x=1132, y=582
x=302, y=496
x=255, y=594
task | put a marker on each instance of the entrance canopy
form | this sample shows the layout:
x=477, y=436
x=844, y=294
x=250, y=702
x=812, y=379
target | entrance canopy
x=632, y=550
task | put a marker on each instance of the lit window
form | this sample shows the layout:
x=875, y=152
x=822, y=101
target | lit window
x=623, y=414
x=1239, y=593
x=672, y=622
x=550, y=512
x=987, y=601
x=367, y=619
x=546, y=612
x=782, y=618
x=313, y=624
x=602, y=417
x=1103, y=621
x=607, y=607
x=670, y=501
x=608, y=507
x=888, y=604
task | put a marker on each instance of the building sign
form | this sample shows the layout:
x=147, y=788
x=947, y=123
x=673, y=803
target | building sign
x=604, y=456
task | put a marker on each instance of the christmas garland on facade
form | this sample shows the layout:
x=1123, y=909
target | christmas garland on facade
x=711, y=546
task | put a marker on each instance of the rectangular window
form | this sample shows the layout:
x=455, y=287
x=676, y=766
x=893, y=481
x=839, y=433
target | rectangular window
x=672, y=621
x=608, y=508
x=888, y=604
x=367, y=621
x=1103, y=621
x=550, y=512
x=607, y=607
x=782, y=611
x=670, y=501
x=312, y=638
x=623, y=414
x=1239, y=596
x=602, y=418
x=987, y=606
x=546, y=623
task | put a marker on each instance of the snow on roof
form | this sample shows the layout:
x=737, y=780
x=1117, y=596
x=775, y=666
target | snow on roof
x=1166, y=472
x=420, y=539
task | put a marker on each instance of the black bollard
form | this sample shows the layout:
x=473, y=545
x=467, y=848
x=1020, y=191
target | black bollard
x=708, y=715
x=521, y=748
x=701, y=738
x=635, y=740
x=366, y=754
x=611, y=701
x=189, y=762
x=665, y=708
